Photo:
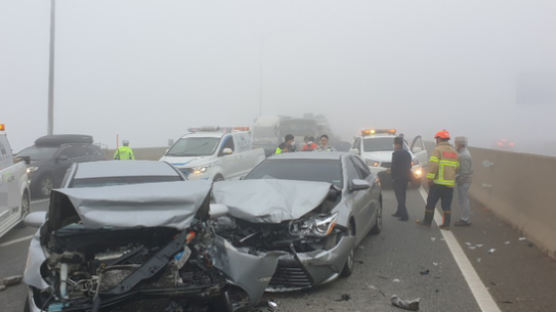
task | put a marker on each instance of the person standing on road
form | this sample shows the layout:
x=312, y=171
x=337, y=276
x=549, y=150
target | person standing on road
x=441, y=177
x=309, y=144
x=287, y=146
x=401, y=172
x=124, y=152
x=324, y=147
x=463, y=181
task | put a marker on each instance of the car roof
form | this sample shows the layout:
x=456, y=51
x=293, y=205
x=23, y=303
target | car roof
x=121, y=168
x=311, y=155
x=59, y=139
x=204, y=134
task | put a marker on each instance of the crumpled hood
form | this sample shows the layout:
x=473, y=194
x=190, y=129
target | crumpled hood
x=378, y=156
x=171, y=204
x=270, y=201
x=185, y=162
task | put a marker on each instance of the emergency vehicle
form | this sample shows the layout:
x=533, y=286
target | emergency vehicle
x=376, y=146
x=215, y=153
x=15, y=196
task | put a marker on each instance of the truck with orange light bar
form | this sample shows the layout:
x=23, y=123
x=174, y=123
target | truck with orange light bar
x=376, y=146
x=15, y=196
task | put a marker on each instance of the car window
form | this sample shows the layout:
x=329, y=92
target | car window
x=74, y=151
x=378, y=144
x=109, y=181
x=357, y=143
x=351, y=171
x=361, y=168
x=321, y=170
x=194, y=146
x=228, y=143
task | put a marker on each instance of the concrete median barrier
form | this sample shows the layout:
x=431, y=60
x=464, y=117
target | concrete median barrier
x=519, y=189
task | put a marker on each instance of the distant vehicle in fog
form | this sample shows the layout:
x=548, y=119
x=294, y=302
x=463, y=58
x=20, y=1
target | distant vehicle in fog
x=505, y=144
x=52, y=155
x=266, y=133
x=315, y=207
x=214, y=153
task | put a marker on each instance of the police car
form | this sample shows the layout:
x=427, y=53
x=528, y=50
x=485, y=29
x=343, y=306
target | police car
x=376, y=146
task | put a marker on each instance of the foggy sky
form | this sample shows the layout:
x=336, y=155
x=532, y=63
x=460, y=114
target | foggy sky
x=148, y=70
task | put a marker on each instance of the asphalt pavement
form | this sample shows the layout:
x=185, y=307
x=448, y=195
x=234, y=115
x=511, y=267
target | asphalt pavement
x=405, y=259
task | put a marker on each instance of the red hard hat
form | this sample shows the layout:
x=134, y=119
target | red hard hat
x=444, y=134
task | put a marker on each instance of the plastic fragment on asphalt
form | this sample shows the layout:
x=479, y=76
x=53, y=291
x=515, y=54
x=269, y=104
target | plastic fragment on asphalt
x=396, y=280
x=410, y=305
x=468, y=243
x=472, y=247
x=11, y=280
x=435, y=263
x=491, y=250
x=433, y=239
x=479, y=260
x=479, y=245
x=344, y=297
x=506, y=242
x=425, y=272
x=522, y=238
x=272, y=305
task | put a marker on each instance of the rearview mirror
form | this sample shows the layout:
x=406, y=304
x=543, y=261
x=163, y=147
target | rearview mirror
x=359, y=184
x=227, y=151
x=35, y=219
x=218, y=210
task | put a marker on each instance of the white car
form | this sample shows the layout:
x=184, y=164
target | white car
x=376, y=146
x=215, y=154
x=15, y=195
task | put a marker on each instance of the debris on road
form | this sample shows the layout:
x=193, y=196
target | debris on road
x=425, y=272
x=410, y=305
x=433, y=239
x=479, y=260
x=491, y=250
x=10, y=281
x=522, y=238
x=506, y=242
x=472, y=247
x=396, y=280
x=479, y=245
x=344, y=297
x=373, y=287
x=435, y=263
x=272, y=305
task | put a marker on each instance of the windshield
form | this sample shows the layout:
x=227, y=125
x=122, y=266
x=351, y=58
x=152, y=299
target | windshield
x=320, y=170
x=38, y=153
x=194, y=147
x=108, y=181
x=378, y=144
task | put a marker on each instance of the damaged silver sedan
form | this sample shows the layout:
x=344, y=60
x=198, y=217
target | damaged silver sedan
x=139, y=247
x=315, y=207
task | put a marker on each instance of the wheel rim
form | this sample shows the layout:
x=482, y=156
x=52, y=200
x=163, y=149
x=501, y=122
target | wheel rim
x=46, y=186
x=25, y=205
x=379, y=218
x=350, y=261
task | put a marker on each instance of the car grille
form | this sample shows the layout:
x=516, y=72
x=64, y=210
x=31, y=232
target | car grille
x=386, y=165
x=290, y=274
x=186, y=171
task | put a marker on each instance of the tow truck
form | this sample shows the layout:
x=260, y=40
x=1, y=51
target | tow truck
x=376, y=146
x=15, y=195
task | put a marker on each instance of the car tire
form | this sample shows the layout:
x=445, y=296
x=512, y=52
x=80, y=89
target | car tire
x=218, y=177
x=25, y=207
x=378, y=222
x=222, y=304
x=45, y=186
x=350, y=261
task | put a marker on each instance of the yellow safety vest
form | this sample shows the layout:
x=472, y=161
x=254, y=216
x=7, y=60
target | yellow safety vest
x=124, y=153
x=443, y=165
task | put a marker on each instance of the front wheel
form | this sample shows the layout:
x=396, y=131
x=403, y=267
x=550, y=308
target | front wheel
x=378, y=221
x=25, y=207
x=348, y=267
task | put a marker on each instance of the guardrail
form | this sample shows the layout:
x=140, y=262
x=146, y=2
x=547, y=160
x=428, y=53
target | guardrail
x=519, y=189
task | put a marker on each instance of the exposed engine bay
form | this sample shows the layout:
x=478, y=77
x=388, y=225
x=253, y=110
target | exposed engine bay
x=101, y=269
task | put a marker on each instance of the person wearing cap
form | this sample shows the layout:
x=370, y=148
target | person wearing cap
x=441, y=177
x=287, y=146
x=324, y=147
x=400, y=172
x=463, y=180
x=124, y=152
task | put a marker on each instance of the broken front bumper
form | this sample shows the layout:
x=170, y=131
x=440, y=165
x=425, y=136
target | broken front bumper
x=303, y=270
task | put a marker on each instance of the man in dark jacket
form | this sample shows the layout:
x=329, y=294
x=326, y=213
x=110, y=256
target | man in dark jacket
x=401, y=173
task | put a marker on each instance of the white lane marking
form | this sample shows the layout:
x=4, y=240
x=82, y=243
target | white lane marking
x=17, y=240
x=478, y=289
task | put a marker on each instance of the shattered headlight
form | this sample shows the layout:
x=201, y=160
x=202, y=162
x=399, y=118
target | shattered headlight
x=320, y=225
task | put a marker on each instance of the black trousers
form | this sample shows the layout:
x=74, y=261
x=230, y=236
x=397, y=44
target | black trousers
x=400, y=189
x=443, y=193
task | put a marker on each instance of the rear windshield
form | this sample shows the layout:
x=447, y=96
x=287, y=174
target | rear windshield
x=320, y=170
x=108, y=181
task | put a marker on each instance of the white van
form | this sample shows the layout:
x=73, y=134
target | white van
x=214, y=153
x=15, y=195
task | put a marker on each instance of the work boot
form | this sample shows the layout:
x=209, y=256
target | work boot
x=429, y=214
x=446, y=219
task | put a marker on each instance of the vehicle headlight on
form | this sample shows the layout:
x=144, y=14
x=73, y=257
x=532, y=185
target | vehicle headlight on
x=418, y=172
x=199, y=170
x=372, y=163
x=32, y=169
x=319, y=226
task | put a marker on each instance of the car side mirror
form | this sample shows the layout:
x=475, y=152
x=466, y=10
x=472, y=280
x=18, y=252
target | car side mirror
x=35, y=219
x=227, y=151
x=62, y=158
x=26, y=159
x=358, y=185
x=355, y=151
x=218, y=210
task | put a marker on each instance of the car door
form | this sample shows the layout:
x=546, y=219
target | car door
x=357, y=200
x=419, y=150
x=374, y=192
x=228, y=162
x=365, y=197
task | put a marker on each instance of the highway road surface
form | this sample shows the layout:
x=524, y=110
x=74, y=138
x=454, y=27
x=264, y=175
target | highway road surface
x=484, y=267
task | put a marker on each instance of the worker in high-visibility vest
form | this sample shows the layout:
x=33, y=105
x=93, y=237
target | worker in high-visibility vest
x=124, y=152
x=441, y=177
x=287, y=146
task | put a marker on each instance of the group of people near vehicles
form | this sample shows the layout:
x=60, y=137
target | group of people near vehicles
x=449, y=168
x=288, y=146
